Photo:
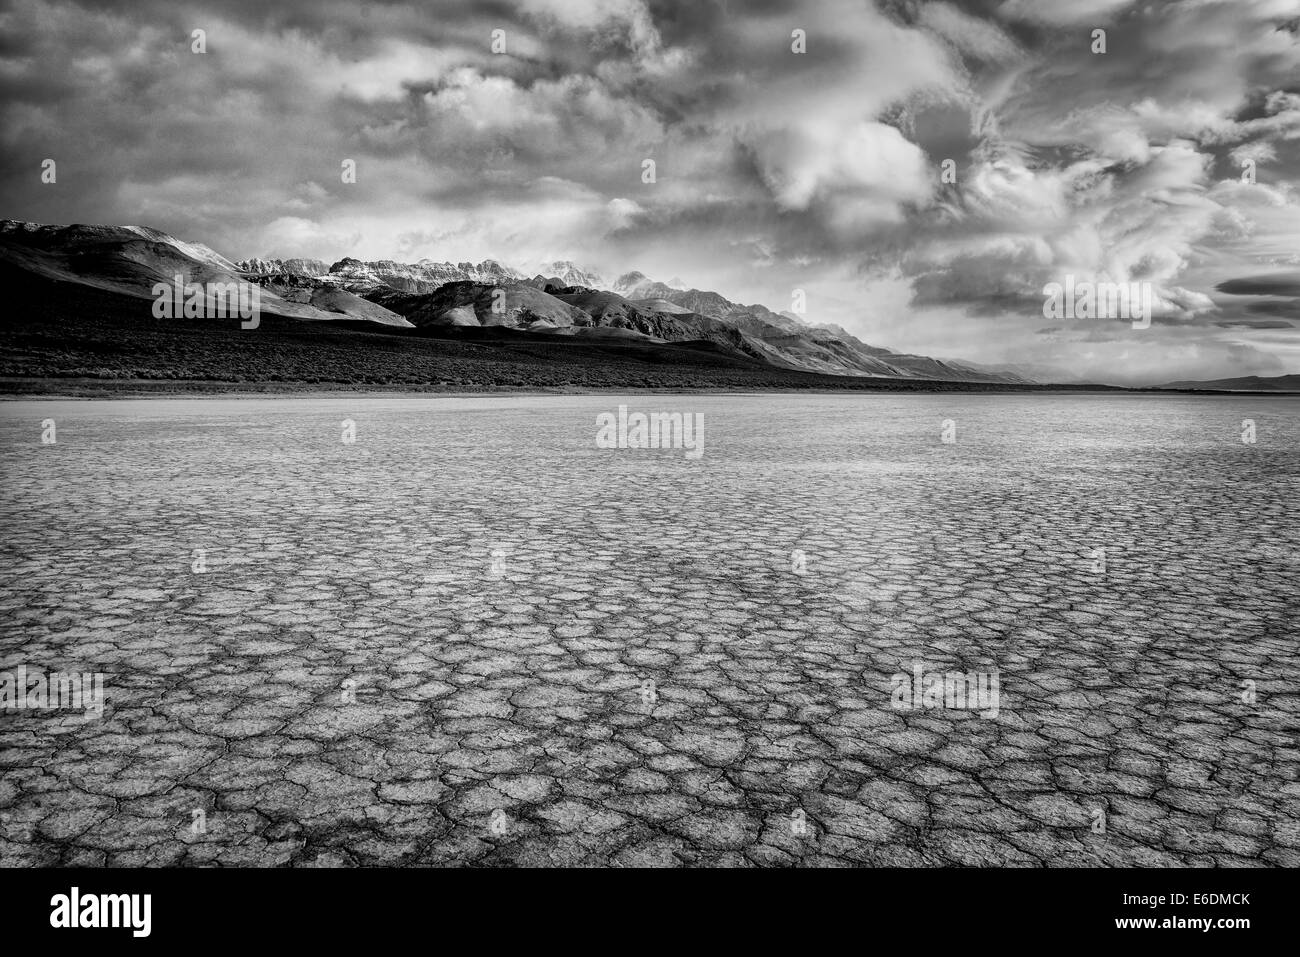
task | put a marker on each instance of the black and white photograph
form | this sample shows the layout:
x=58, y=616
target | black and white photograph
x=630, y=435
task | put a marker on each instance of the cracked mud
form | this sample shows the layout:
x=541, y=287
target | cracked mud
x=473, y=637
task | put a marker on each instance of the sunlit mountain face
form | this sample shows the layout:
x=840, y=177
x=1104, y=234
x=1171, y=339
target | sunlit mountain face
x=48, y=271
x=915, y=173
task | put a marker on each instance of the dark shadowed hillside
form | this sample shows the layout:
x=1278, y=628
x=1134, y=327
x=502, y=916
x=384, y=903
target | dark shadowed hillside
x=60, y=336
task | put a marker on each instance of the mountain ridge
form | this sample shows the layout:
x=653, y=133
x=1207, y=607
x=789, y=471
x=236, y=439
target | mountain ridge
x=133, y=259
x=456, y=298
x=1251, y=383
x=781, y=339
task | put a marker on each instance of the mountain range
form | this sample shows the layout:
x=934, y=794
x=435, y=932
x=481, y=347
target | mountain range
x=458, y=299
x=1250, y=383
x=564, y=299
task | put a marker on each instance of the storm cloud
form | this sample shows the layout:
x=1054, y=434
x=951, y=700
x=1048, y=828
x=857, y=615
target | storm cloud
x=520, y=132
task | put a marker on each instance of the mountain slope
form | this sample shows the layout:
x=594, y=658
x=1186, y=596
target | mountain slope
x=634, y=304
x=132, y=259
x=571, y=274
x=426, y=276
x=463, y=303
x=289, y=267
x=1250, y=383
x=125, y=258
x=458, y=298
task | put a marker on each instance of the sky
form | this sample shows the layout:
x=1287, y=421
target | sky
x=1172, y=158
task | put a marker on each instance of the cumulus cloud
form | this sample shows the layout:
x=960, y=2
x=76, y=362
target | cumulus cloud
x=1170, y=159
x=1061, y=11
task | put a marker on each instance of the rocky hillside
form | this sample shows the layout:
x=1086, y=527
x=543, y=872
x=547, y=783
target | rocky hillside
x=457, y=298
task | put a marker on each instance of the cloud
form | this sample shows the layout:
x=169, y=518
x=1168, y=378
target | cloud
x=1170, y=159
x=1062, y=12
x=293, y=236
x=856, y=177
x=1276, y=284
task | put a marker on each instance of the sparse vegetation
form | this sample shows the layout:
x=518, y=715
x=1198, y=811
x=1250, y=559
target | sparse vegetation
x=93, y=340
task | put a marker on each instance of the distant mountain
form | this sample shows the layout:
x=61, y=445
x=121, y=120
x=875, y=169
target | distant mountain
x=660, y=305
x=636, y=285
x=753, y=332
x=311, y=268
x=785, y=339
x=570, y=274
x=515, y=305
x=457, y=298
x=1010, y=373
x=639, y=305
x=755, y=318
x=381, y=275
x=610, y=310
x=423, y=277
x=132, y=259
x=124, y=258
x=1250, y=383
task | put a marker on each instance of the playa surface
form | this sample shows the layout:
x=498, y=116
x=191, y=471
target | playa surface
x=472, y=636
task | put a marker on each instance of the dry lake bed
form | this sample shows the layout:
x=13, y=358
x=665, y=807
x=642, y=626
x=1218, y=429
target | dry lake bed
x=472, y=636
